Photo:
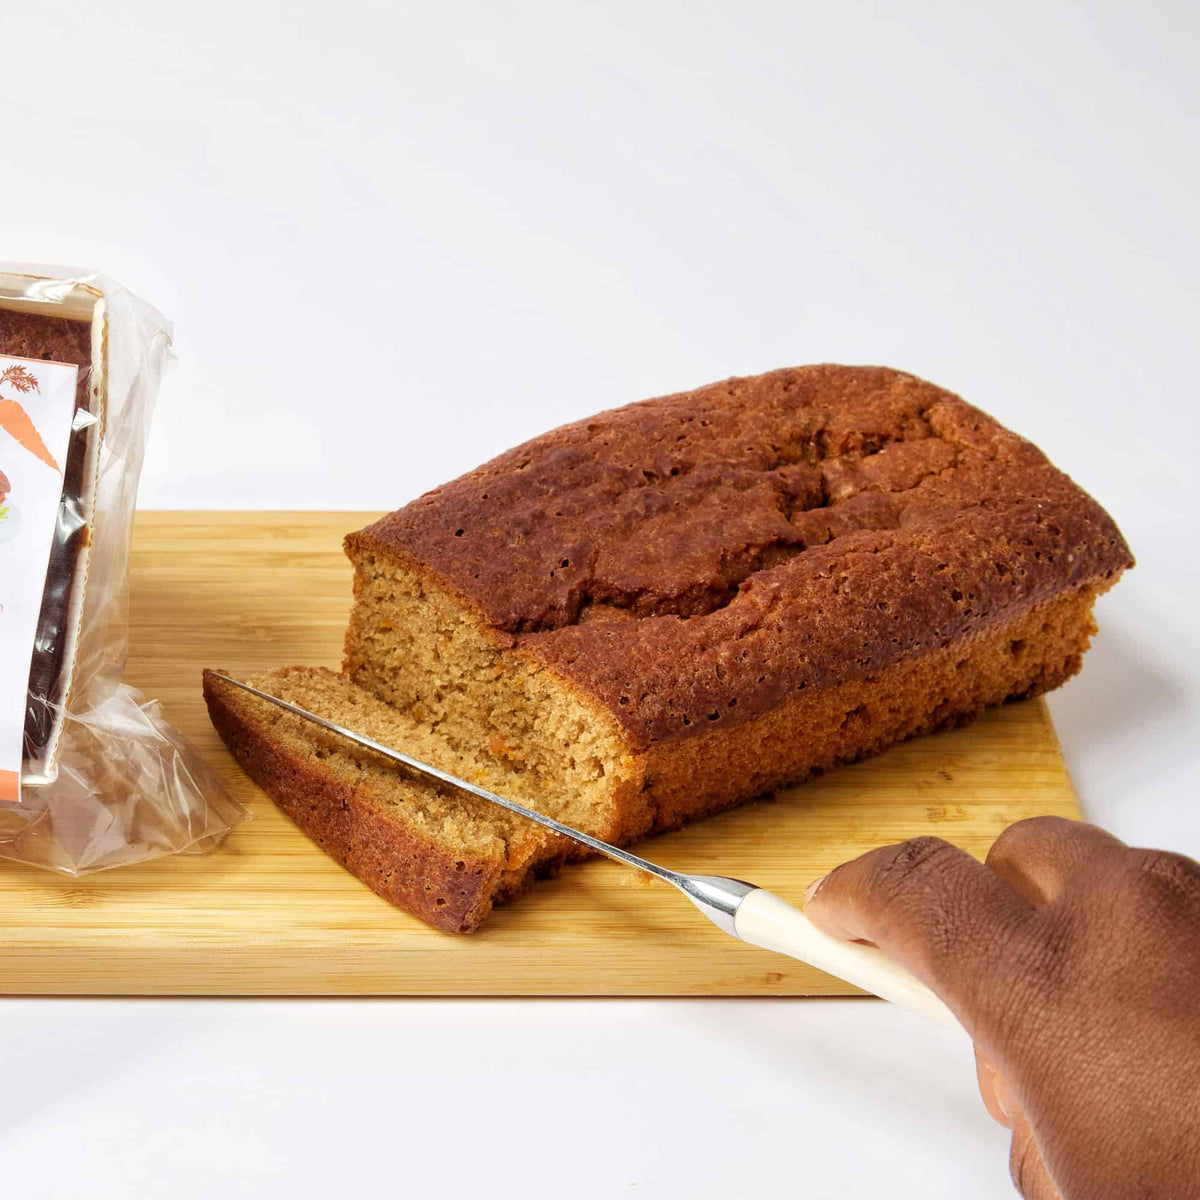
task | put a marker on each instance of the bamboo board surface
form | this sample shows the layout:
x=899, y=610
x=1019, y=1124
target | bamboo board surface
x=268, y=913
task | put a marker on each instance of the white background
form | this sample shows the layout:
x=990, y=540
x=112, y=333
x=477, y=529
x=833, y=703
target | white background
x=396, y=238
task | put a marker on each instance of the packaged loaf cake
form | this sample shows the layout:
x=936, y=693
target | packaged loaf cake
x=90, y=776
x=51, y=416
x=671, y=608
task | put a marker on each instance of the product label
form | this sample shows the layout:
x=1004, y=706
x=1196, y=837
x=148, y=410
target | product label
x=37, y=408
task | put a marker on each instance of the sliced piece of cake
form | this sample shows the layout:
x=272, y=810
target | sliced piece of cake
x=442, y=854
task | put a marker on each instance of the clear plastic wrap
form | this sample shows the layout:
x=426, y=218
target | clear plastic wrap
x=104, y=780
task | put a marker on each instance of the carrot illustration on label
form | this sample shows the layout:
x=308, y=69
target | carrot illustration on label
x=16, y=421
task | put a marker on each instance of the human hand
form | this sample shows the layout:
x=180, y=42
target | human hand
x=1073, y=961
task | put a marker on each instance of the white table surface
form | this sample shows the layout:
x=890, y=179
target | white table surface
x=396, y=238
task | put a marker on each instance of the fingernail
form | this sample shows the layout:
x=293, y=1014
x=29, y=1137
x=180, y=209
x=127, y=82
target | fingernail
x=813, y=888
x=1007, y=1102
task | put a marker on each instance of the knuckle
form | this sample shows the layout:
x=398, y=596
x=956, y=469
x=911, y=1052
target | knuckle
x=907, y=862
x=1014, y=841
x=1163, y=881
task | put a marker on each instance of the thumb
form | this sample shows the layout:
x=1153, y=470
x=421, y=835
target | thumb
x=1025, y=1164
x=1025, y=1161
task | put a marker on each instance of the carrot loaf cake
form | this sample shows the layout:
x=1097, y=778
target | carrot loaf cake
x=675, y=606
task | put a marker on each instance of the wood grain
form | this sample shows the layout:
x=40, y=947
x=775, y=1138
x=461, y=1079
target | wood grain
x=268, y=913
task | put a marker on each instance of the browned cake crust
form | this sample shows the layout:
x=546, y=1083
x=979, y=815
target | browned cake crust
x=694, y=561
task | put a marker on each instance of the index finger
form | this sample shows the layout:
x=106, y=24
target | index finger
x=935, y=910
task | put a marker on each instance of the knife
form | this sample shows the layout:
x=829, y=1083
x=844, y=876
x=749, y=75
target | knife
x=742, y=910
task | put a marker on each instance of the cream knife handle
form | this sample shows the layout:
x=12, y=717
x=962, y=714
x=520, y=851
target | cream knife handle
x=763, y=919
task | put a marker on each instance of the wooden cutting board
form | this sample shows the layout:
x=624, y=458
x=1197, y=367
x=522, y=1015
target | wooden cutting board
x=268, y=913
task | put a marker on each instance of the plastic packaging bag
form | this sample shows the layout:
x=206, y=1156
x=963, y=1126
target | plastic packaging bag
x=100, y=780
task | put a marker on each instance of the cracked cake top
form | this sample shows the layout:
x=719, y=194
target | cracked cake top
x=695, y=557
